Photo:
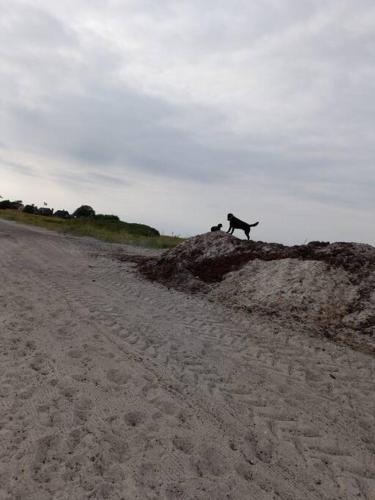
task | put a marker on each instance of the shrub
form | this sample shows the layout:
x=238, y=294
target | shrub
x=63, y=214
x=5, y=204
x=30, y=209
x=48, y=212
x=84, y=211
x=12, y=205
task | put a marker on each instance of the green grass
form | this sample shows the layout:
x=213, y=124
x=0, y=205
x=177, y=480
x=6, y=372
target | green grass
x=111, y=231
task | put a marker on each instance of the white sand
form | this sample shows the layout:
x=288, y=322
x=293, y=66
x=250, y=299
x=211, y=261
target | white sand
x=309, y=292
x=114, y=387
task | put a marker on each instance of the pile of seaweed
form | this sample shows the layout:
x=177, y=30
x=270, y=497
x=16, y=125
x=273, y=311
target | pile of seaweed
x=329, y=286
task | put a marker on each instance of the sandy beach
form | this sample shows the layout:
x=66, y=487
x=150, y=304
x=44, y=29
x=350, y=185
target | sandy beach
x=115, y=387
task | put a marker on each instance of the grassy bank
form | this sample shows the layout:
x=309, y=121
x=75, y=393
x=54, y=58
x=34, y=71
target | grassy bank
x=111, y=231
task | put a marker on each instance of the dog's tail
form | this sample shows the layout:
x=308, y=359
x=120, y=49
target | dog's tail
x=255, y=224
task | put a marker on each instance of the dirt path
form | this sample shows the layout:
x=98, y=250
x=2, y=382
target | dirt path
x=114, y=387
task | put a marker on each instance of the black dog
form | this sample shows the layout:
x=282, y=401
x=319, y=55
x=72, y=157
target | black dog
x=217, y=228
x=235, y=223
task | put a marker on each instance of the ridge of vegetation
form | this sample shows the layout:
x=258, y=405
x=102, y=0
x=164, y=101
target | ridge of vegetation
x=102, y=227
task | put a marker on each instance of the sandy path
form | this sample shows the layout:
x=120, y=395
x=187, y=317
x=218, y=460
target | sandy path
x=114, y=387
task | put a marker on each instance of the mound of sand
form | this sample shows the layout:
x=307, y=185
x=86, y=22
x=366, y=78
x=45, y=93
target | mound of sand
x=327, y=287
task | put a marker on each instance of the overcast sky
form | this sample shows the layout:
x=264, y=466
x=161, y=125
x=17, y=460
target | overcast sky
x=173, y=113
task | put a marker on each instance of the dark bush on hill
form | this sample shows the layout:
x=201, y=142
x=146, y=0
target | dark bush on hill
x=11, y=205
x=63, y=214
x=47, y=212
x=84, y=211
x=30, y=209
x=5, y=204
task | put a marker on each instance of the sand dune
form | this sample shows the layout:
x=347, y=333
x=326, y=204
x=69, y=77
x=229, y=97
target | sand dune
x=116, y=387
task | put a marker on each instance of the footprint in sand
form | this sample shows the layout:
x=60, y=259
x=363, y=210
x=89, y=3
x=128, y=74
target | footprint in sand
x=174, y=491
x=38, y=363
x=42, y=449
x=30, y=345
x=75, y=353
x=82, y=409
x=183, y=444
x=147, y=476
x=165, y=406
x=118, y=448
x=118, y=376
x=134, y=418
x=244, y=471
x=210, y=462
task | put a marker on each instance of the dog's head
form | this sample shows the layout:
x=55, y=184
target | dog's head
x=220, y=226
x=230, y=216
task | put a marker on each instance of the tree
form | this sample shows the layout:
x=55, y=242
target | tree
x=63, y=214
x=84, y=211
x=30, y=209
x=48, y=212
x=14, y=205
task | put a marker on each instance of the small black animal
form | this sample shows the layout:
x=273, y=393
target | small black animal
x=235, y=223
x=217, y=228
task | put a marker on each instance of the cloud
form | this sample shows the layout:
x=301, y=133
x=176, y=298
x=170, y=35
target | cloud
x=18, y=167
x=268, y=94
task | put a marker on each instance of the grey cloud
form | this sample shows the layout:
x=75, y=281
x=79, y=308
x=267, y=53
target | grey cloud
x=28, y=28
x=116, y=130
x=88, y=177
x=18, y=167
